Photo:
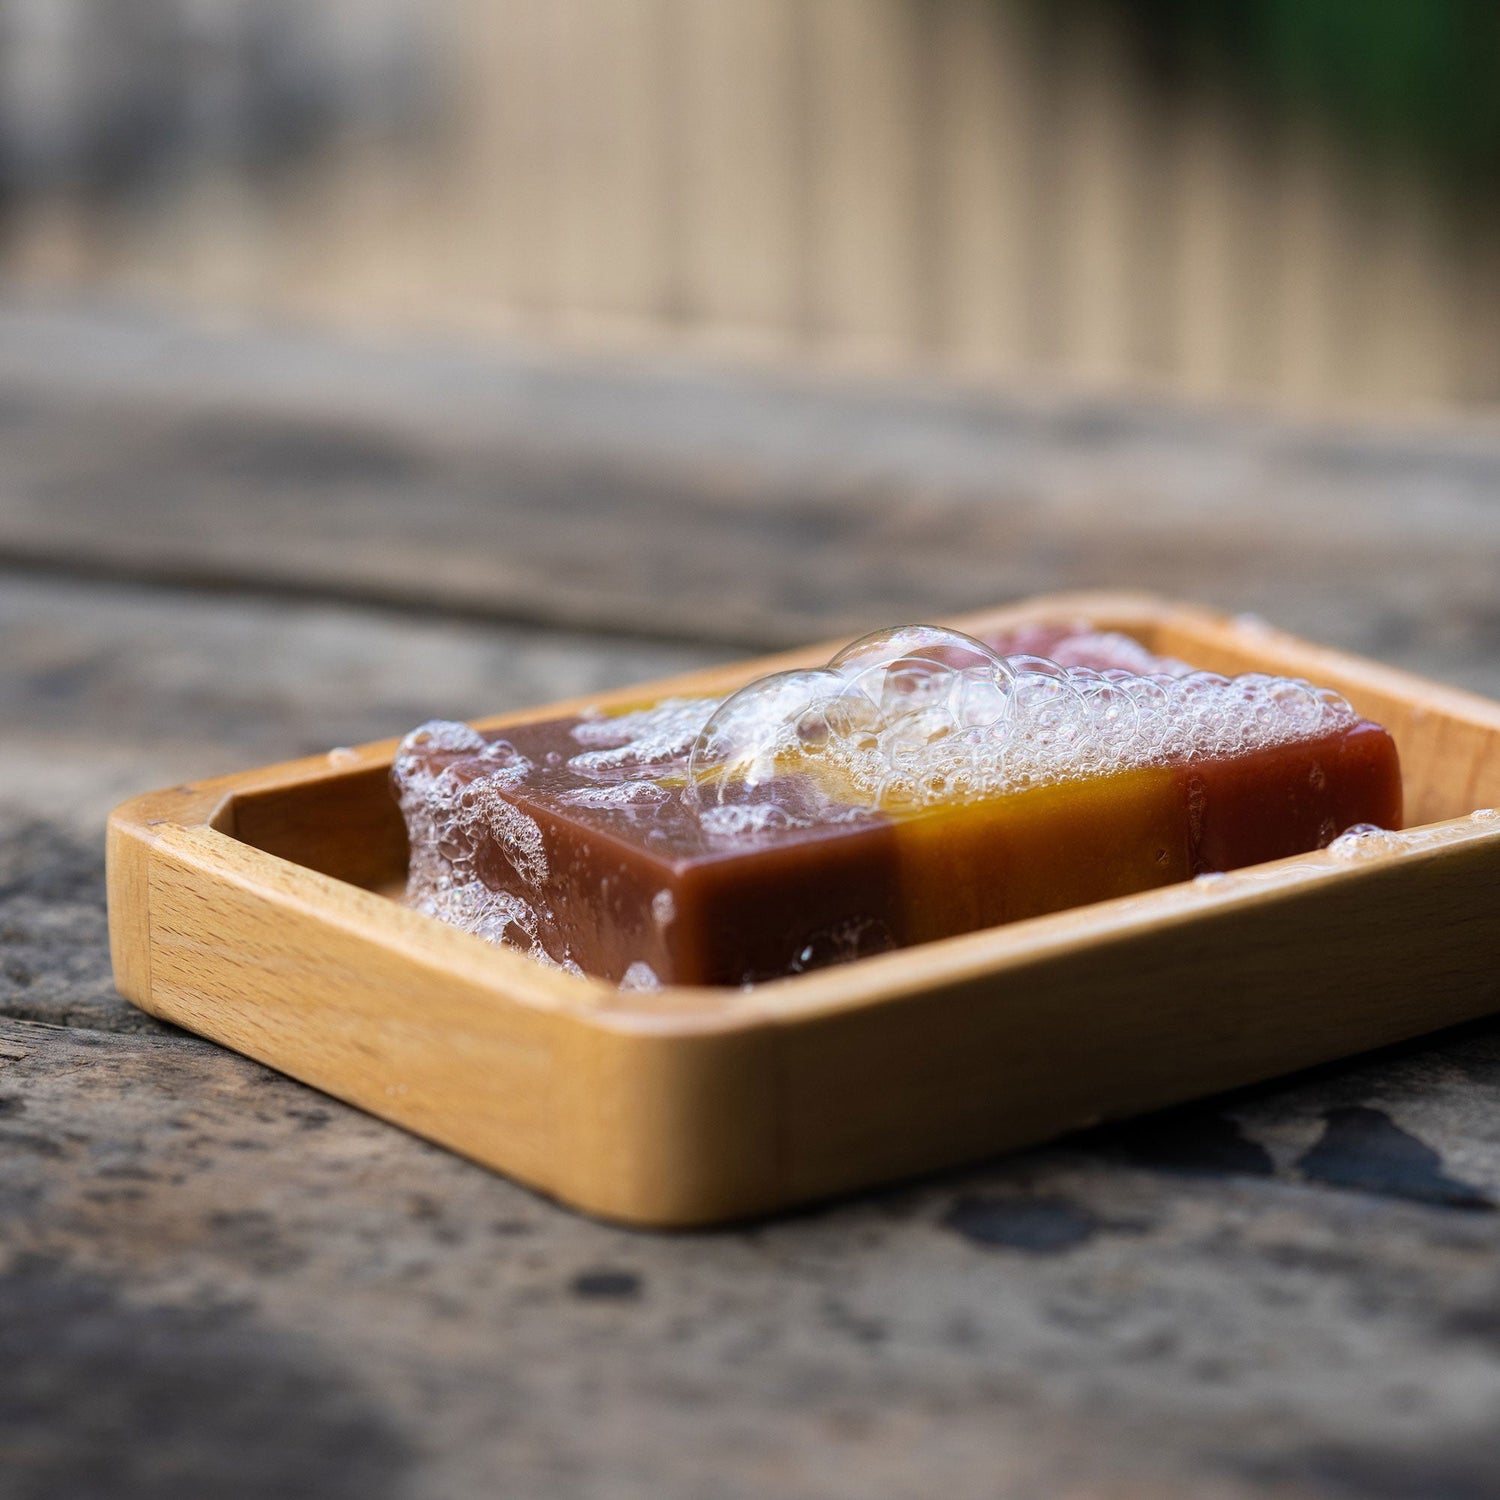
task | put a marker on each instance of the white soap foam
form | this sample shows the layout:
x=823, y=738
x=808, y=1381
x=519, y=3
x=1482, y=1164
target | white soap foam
x=923, y=715
x=516, y=832
x=644, y=737
x=615, y=794
x=1365, y=841
x=450, y=782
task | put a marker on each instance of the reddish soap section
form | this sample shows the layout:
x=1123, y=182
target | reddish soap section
x=1290, y=798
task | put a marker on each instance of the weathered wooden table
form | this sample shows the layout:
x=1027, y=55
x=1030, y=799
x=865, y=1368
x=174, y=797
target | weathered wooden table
x=222, y=550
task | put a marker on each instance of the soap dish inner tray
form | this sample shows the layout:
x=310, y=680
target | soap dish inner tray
x=261, y=910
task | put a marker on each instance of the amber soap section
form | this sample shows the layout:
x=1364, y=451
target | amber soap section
x=623, y=849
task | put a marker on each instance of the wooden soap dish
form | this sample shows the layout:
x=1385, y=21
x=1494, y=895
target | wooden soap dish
x=258, y=910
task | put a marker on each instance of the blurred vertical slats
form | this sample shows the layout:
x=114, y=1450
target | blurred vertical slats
x=742, y=152
x=1218, y=223
x=868, y=130
x=979, y=185
x=1101, y=184
x=984, y=157
x=1413, y=315
x=614, y=198
x=1320, y=258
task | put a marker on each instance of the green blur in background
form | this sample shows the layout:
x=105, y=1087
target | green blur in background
x=1415, y=77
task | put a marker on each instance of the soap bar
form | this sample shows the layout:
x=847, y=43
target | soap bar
x=921, y=785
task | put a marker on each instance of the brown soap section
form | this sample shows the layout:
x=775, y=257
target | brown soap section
x=644, y=883
x=703, y=915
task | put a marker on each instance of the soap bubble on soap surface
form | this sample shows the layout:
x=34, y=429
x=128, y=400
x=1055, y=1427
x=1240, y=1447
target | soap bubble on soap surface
x=920, y=715
x=660, y=735
x=616, y=794
x=893, y=717
x=451, y=782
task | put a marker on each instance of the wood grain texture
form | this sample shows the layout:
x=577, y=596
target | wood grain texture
x=692, y=1106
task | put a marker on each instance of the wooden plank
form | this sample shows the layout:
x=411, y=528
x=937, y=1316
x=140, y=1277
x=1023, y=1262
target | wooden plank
x=1236, y=1300
x=275, y=1261
x=710, y=503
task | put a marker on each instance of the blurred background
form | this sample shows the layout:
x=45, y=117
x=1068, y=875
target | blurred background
x=1289, y=199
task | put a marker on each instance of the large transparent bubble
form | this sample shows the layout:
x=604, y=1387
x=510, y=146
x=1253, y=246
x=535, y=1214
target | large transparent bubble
x=762, y=731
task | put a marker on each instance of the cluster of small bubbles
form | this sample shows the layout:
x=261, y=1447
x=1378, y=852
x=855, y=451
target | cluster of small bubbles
x=446, y=734
x=920, y=715
x=843, y=942
x=757, y=731
x=1364, y=841
x=616, y=794
x=499, y=917
x=1083, y=647
x=663, y=908
x=566, y=964
x=449, y=780
x=645, y=737
x=422, y=759
x=732, y=820
x=496, y=916
x=1485, y=814
x=894, y=718
x=640, y=976
x=517, y=834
